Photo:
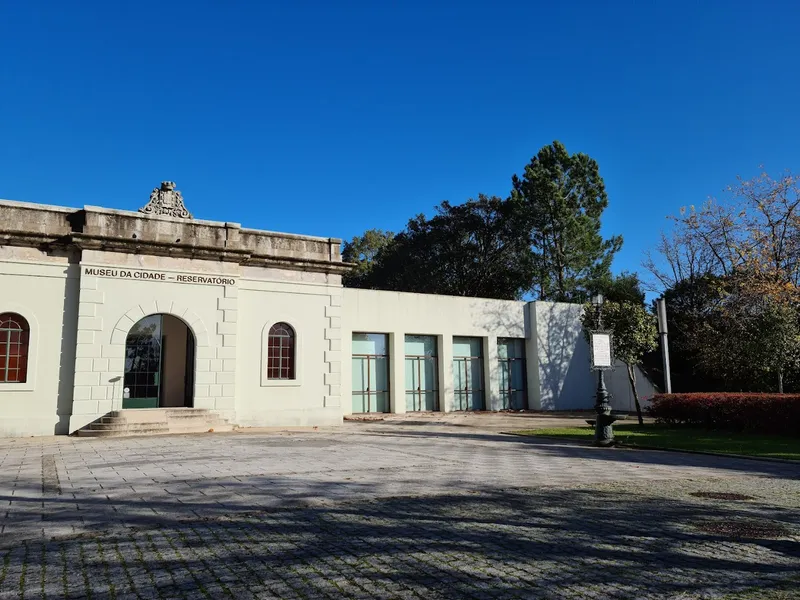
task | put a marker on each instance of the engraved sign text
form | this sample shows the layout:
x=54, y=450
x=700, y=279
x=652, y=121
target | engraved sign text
x=117, y=273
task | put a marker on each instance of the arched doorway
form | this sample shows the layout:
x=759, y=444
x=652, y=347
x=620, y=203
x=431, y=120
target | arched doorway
x=159, y=364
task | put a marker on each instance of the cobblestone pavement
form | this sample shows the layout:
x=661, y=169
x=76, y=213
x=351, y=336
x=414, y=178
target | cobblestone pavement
x=389, y=511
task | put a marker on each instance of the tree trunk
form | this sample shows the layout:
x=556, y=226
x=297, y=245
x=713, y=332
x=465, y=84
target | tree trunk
x=632, y=379
x=780, y=381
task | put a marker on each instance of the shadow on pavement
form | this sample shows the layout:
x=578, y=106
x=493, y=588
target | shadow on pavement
x=496, y=543
x=551, y=447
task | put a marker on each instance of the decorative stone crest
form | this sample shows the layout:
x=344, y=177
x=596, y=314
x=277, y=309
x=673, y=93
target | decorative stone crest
x=166, y=200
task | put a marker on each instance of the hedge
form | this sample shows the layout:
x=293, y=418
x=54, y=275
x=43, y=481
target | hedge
x=758, y=413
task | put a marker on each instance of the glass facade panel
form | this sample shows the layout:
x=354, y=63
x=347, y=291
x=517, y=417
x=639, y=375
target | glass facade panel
x=464, y=347
x=370, y=372
x=511, y=357
x=422, y=389
x=371, y=343
x=468, y=374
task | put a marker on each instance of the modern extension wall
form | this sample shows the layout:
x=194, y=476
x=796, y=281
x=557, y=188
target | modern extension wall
x=398, y=314
x=557, y=355
x=562, y=363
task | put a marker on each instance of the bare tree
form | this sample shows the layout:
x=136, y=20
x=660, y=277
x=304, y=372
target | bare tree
x=749, y=244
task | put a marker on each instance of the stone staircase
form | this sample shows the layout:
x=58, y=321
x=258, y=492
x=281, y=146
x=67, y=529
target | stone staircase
x=153, y=421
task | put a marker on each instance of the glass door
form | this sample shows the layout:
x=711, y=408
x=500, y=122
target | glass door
x=511, y=355
x=468, y=373
x=143, y=361
x=370, y=373
x=422, y=389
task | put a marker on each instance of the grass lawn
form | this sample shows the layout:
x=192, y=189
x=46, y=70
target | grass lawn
x=662, y=436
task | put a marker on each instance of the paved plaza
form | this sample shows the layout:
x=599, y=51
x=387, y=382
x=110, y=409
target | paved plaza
x=390, y=510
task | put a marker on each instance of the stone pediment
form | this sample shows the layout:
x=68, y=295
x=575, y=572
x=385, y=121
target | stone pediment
x=166, y=201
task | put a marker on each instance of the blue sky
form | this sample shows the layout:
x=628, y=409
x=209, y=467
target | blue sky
x=329, y=118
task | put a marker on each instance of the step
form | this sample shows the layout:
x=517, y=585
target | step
x=127, y=426
x=151, y=431
x=122, y=424
x=190, y=417
x=119, y=432
x=214, y=428
x=112, y=420
x=165, y=417
x=148, y=421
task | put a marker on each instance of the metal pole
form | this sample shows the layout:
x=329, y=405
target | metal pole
x=661, y=306
x=665, y=352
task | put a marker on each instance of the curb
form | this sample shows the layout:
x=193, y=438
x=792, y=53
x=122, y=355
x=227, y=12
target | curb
x=622, y=445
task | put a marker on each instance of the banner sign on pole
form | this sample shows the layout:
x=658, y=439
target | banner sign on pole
x=602, y=354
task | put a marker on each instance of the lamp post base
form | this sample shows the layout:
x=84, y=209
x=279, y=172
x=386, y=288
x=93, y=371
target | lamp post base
x=603, y=431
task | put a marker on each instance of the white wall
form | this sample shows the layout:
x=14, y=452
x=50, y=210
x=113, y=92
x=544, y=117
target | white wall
x=565, y=381
x=399, y=313
x=306, y=302
x=43, y=289
x=557, y=353
x=110, y=306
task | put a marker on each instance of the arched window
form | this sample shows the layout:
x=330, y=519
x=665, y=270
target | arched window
x=14, y=335
x=280, y=352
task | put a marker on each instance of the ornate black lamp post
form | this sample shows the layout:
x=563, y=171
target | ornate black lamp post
x=602, y=360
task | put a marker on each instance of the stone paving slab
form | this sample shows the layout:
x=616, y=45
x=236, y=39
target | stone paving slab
x=387, y=512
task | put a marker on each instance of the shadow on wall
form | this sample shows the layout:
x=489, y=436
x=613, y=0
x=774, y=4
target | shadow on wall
x=562, y=358
x=620, y=388
x=567, y=383
x=504, y=318
x=66, y=363
x=564, y=375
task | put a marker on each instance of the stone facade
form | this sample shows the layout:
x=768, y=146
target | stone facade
x=100, y=271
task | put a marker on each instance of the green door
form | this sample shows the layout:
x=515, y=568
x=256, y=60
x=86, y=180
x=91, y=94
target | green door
x=144, y=349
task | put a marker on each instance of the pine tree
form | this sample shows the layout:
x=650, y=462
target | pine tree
x=563, y=197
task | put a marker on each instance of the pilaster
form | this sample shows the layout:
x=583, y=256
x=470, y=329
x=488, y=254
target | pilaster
x=397, y=372
x=491, y=373
x=532, y=360
x=332, y=384
x=445, y=372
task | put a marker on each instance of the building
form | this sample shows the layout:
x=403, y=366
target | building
x=102, y=310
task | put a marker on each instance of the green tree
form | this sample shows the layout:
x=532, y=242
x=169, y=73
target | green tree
x=734, y=267
x=756, y=330
x=624, y=287
x=634, y=334
x=361, y=251
x=562, y=198
x=695, y=328
x=478, y=248
x=780, y=335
